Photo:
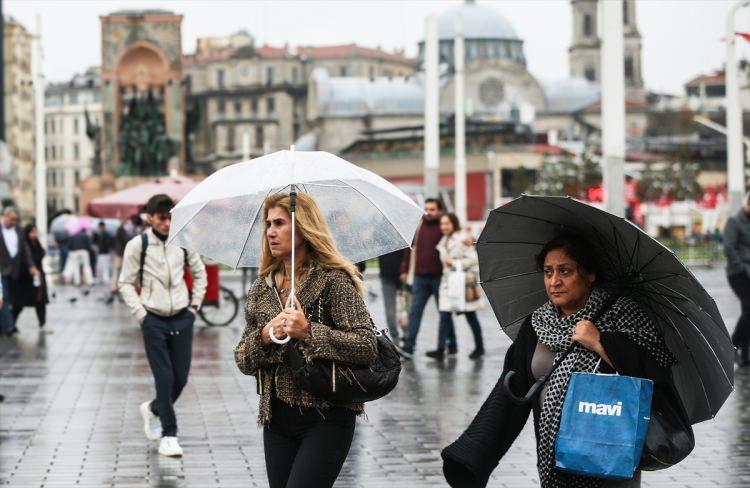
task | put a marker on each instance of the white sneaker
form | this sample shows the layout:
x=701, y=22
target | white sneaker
x=151, y=424
x=170, y=447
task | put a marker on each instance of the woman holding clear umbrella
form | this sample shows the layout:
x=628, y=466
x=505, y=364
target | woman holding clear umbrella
x=306, y=439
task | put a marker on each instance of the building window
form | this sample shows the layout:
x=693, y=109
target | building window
x=52, y=126
x=590, y=73
x=76, y=177
x=73, y=98
x=54, y=178
x=587, y=25
x=75, y=125
x=629, y=74
x=62, y=153
x=625, y=17
x=54, y=153
x=220, y=78
x=271, y=105
x=295, y=75
x=259, y=137
x=222, y=106
x=269, y=75
x=230, y=139
x=371, y=72
x=76, y=151
x=46, y=152
x=254, y=107
x=343, y=71
x=237, y=108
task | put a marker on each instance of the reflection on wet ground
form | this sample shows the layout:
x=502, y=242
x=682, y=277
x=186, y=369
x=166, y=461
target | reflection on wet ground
x=71, y=412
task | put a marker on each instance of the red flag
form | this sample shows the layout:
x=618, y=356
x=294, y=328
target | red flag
x=744, y=35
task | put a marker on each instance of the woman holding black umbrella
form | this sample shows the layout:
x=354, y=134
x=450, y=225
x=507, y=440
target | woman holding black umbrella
x=33, y=289
x=610, y=333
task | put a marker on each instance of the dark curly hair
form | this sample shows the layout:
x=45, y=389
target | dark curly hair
x=575, y=246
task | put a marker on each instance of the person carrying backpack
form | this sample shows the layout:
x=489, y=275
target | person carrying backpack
x=152, y=283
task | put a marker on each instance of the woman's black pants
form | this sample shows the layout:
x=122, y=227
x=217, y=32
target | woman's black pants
x=305, y=447
x=741, y=337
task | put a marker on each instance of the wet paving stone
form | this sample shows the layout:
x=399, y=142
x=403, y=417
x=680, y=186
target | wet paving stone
x=70, y=418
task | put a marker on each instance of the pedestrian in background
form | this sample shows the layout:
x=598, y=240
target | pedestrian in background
x=390, y=281
x=125, y=232
x=737, y=250
x=14, y=257
x=32, y=288
x=104, y=244
x=423, y=262
x=78, y=265
x=458, y=257
x=166, y=314
x=306, y=439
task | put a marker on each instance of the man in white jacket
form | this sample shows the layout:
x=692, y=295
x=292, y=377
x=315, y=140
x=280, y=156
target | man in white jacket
x=166, y=313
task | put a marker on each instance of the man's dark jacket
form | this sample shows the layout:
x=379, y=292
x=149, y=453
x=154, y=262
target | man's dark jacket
x=11, y=268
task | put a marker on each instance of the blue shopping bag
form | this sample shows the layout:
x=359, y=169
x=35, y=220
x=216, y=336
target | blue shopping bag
x=603, y=425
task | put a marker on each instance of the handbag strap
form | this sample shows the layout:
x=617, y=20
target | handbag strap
x=320, y=318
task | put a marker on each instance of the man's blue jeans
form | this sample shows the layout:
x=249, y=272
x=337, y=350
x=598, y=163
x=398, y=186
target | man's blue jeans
x=6, y=316
x=422, y=289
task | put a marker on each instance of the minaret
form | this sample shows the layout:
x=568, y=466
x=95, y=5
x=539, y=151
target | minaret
x=585, y=50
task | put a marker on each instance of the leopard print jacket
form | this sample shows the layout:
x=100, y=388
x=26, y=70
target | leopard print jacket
x=346, y=337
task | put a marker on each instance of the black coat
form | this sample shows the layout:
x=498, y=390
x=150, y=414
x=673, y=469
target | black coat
x=470, y=460
x=29, y=295
x=390, y=266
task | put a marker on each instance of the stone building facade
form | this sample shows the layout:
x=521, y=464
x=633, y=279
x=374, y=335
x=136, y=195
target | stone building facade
x=238, y=92
x=19, y=114
x=70, y=109
x=141, y=57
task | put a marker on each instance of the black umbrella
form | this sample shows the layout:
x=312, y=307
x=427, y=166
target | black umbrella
x=630, y=263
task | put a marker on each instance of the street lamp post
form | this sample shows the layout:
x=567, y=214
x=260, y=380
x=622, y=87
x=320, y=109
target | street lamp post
x=735, y=164
x=41, y=163
x=431, y=109
x=460, y=122
x=613, y=107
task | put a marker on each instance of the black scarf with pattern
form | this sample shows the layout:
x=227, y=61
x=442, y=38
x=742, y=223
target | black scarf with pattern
x=555, y=332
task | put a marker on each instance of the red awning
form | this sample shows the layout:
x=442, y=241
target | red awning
x=128, y=202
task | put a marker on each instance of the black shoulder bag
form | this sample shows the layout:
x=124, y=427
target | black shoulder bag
x=341, y=383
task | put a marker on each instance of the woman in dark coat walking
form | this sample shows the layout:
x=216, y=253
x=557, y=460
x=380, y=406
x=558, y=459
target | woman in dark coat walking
x=32, y=293
x=623, y=340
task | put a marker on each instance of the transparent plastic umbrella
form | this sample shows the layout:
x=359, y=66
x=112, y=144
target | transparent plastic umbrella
x=221, y=217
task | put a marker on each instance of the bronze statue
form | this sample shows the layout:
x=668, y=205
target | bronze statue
x=145, y=147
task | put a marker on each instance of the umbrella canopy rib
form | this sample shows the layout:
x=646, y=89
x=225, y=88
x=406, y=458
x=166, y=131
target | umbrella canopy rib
x=249, y=233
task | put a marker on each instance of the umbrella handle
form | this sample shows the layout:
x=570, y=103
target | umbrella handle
x=278, y=341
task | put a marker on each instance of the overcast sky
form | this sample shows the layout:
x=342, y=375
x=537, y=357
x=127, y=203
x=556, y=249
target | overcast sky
x=681, y=38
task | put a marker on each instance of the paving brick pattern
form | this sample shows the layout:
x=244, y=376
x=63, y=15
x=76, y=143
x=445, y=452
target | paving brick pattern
x=71, y=419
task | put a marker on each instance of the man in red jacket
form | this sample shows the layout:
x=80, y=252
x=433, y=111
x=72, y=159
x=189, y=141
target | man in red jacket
x=424, y=260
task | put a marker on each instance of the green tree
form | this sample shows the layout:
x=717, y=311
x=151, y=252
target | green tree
x=569, y=177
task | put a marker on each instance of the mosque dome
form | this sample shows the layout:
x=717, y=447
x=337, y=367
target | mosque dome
x=479, y=22
x=487, y=34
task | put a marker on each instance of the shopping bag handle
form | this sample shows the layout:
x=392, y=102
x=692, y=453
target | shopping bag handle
x=538, y=384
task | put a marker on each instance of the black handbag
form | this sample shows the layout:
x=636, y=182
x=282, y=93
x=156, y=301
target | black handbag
x=670, y=437
x=341, y=383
